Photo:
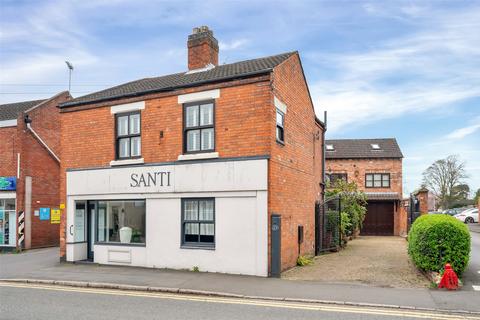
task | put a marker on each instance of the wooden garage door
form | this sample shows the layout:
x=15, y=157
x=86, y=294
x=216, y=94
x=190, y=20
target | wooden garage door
x=379, y=219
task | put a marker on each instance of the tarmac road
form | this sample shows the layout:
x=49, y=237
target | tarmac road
x=28, y=301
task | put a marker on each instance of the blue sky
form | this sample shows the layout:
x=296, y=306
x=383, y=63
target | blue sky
x=404, y=69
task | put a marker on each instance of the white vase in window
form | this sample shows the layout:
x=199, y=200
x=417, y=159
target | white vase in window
x=125, y=235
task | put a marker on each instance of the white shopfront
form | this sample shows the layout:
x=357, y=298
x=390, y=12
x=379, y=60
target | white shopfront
x=211, y=215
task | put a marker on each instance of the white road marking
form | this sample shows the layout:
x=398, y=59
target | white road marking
x=476, y=288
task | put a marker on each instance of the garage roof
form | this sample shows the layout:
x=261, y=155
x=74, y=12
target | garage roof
x=383, y=196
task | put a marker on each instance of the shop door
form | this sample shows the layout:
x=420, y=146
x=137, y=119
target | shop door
x=8, y=223
x=92, y=208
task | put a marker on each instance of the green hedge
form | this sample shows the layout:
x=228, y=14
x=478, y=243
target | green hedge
x=437, y=239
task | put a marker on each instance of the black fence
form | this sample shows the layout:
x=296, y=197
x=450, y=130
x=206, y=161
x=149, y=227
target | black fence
x=413, y=210
x=327, y=225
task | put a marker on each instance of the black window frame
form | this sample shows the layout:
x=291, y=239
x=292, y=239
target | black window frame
x=198, y=244
x=129, y=136
x=280, y=127
x=199, y=127
x=338, y=174
x=382, y=181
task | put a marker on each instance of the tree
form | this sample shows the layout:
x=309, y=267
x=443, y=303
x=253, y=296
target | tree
x=353, y=204
x=443, y=176
x=476, y=198
x=460, y=192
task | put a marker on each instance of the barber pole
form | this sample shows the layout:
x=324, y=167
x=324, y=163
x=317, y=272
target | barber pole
x=21, y=228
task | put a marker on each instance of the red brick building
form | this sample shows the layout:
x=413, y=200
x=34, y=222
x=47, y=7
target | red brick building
x=215, y=167
x=375, y=165
x=30, y=173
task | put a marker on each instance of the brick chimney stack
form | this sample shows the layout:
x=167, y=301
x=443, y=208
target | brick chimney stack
x=202, y=48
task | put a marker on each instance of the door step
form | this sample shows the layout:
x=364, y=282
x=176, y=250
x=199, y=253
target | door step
x=89, y=262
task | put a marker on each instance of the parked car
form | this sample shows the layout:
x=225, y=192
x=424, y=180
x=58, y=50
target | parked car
x=452, y=212
x=468, y=216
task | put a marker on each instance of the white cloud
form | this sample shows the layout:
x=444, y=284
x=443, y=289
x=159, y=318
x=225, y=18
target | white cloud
x=232, y=45
x=463, y=132
x=429, y=69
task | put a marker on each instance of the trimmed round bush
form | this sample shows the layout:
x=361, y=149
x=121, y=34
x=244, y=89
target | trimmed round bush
x=437, y=239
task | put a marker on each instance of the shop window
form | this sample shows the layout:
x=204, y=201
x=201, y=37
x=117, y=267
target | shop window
x=377, y=180
x=280, y=119
x=8, y=222
x=199, y=127
x=198, y=222
x=121, y=221
x=128, y=136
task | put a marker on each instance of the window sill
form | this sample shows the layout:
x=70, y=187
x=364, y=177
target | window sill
x=198, y=156
x=196, y=247
x=119, y=244
x=281, y=142
x=126, y=162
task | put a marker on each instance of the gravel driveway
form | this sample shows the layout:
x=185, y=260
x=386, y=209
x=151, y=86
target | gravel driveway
x=378, y=261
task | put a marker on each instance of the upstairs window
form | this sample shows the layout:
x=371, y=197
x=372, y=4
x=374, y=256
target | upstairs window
x=377, y=180
x=128, y=138
x=199, y=127
x=332, y=178
x=280, y=126
x=330, y=147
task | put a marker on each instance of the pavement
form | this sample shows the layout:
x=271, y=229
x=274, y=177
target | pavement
x=471, y=276
x=43, y=264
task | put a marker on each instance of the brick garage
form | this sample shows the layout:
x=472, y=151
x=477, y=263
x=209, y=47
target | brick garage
x=27, y=157
x=246, y=98
x=356, y=160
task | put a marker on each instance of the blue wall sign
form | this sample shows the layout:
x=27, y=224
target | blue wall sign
x=8, y=183
x=44, y=213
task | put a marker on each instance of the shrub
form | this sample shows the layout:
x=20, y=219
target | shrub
x=437, y=239
x=304, y=261
x=345, y=225
x=353, y=202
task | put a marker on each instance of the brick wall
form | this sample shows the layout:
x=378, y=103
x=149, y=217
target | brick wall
x=422, y=197
x=356, y=170
x=37, y=163
x=8, y=149
x=295, y=168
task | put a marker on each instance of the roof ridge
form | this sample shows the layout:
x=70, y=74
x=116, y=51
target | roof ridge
x=173, y=81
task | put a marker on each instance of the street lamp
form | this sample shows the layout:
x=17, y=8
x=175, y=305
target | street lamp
x=70, y=69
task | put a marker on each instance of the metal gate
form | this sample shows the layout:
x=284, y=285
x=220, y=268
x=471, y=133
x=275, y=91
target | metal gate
x=413, y=210
x=327, y=225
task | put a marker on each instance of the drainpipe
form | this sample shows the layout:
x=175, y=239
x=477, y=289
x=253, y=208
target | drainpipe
x=28, y=121
x=323, y=155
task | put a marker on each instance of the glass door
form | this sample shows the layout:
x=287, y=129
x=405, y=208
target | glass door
x=8, y=222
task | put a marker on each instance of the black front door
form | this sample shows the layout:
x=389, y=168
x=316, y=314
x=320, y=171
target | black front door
x=91, y=213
